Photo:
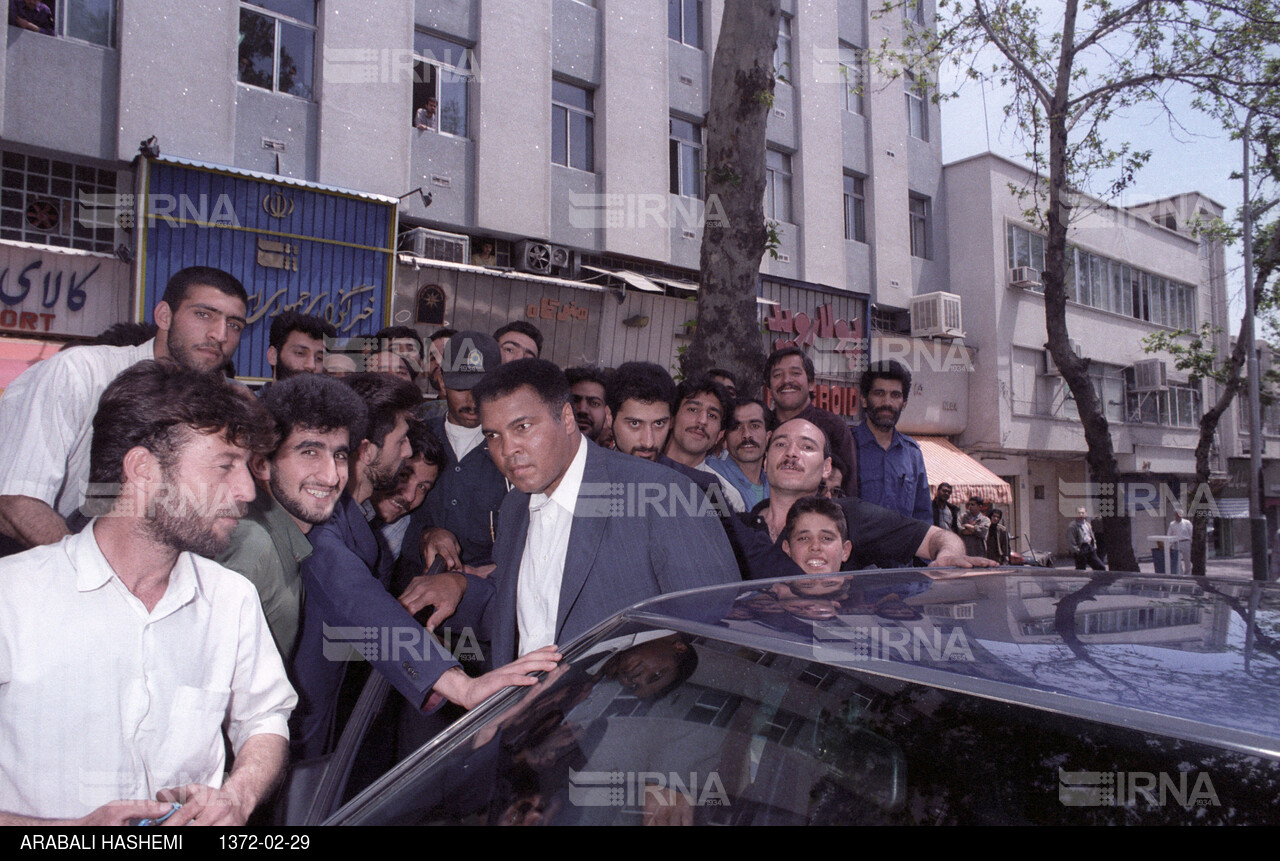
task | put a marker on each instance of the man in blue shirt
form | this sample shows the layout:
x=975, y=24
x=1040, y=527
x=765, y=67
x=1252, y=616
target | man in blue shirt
x=891, y=469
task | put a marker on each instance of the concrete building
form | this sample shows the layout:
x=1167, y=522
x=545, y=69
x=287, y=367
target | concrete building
x=1136, y=270
x=558, y=139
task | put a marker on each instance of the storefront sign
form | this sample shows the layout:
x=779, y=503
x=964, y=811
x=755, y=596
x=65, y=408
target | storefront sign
x=59, y=293
x=294, y=247
x=801, y=330
x=550, y=309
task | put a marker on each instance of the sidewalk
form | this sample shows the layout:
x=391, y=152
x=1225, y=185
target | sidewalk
x=1232, y=568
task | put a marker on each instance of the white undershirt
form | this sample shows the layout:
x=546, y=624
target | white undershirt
x=545, y=549
x=462, y=440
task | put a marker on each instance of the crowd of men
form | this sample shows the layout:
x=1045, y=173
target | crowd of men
x=186, y=555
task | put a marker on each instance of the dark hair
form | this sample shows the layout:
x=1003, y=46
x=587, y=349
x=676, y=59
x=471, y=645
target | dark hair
x=770, y=420
x=721, y=372
x=384, y=336
x=945, y=484
x=524, y=328
x=837, y=462
x=826, y=441
x=202, y=276
x=587, y=374
x=446, y=332
x=781, y=353
x=126, y=334
x=818, y=505
x=317, y=402
x=889, y=370
x=157, y=404
x=998, y=511
x=385, y=397
x=699, y=386
x=289, y=322
x=542, y=376
x=423, y=443
x=977, y=499
x=639, y=381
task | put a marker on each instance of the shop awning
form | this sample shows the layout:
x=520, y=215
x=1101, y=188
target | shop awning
x=635, y=279
x=946, y=464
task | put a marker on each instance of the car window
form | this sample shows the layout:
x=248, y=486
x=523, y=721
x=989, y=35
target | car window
x=655, y=723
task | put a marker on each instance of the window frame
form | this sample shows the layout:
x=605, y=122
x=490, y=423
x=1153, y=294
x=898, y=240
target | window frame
x=678, y=148
x=783, y=58
x=677, y=26
x=855, y=208
x=569, y=110
x=279, y=20
x=853, y=74
x=441, y=68
x=778, y=186
x=917, y=106
x=919, y=226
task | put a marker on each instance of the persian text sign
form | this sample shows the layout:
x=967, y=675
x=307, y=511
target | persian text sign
x=52, y=293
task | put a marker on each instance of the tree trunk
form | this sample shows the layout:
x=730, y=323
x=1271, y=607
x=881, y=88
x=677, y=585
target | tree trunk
x=1116, y=527
x=727, y=334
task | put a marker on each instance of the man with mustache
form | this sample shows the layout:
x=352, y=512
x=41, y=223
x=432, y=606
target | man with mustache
x=697, y=425
x=891, y=470
x=789, y=376
x=124, y=653
x=743, y=469
x=588, y=386
x=299, y=484
x=639, y=400
x=46, y=414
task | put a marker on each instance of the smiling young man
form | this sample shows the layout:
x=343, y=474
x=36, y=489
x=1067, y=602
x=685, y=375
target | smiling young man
x=789, y=376
x=697, y=425
x=125, y=655
x=566, y=557
x=299, y=484
x=46, y=414
x=797, y=460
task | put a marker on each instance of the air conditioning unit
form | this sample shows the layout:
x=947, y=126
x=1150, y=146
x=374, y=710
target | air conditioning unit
x=1150, y=375
x=533, y=257
x=936, y=315
x=435, y=245
x=543, y=258
x=1051, y=367
x=1025, y=277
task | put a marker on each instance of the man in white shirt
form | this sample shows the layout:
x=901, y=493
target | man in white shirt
x=1181, y=529
x=46, y=414
x=123, y=653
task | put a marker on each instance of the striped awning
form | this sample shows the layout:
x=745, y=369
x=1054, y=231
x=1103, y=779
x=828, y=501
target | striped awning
x=1231, y=508
x=947, y=464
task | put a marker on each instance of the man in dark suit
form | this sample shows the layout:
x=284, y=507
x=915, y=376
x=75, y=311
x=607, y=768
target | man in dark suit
x=587, y=532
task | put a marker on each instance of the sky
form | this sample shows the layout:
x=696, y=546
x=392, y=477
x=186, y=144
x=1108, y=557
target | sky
x=1200, y=156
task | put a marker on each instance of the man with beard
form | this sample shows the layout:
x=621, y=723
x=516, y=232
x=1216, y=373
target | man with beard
x=46, y=414
x=639, y=399
x=299, y=484
x=588, y=386
x=749, y=428
x=394, y=507
x=123, y=654
x=891, y=470
x=346, y=595
x=296, y=345
x=789, y=376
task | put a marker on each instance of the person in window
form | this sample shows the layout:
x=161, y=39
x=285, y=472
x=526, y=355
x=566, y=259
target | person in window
x=425, y=117
x=31, y=15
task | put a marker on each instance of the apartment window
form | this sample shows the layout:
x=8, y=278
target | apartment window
x=853, y=64
x=782, y=51
x=777, y=188
x=572, y=126
x=913, y=11
x=684, y=21
x=54, y=202
x=686, y=158
x=441, y=73
x=917, y=107
x=855, y=208
x=91, y=21
x=1026, y=249
x=278, y=45
x=918, y=211
x=1177, y=406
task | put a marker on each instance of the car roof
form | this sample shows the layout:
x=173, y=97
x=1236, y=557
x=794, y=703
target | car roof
x=1194, y=658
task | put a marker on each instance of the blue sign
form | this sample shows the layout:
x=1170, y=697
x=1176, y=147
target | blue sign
x=302, y=248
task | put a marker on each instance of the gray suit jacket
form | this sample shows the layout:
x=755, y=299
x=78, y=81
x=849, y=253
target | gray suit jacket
x=639, y=530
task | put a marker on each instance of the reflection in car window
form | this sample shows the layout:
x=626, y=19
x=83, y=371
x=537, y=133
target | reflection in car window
x=657, y=723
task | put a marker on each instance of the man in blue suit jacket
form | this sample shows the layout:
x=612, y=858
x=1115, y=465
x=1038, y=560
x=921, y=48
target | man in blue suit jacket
x=587, y=532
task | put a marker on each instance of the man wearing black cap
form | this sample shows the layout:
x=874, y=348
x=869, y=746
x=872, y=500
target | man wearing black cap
x=461, y=511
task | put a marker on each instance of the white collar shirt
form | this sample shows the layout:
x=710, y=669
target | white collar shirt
x=545, y=549
x=102, y=700
x=462, y=440
x=46, y=422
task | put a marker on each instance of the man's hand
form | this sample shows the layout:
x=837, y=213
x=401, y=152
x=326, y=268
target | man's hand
x=443, y=591
x=962, y=561
x=438, y=541
x=117, y=814
x=457, y=687
x=204, y=805
x=664, y=806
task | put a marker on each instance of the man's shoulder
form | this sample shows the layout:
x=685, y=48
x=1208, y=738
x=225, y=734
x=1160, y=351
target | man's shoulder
x=37, y=565
x=909, y=442
x=89, y=367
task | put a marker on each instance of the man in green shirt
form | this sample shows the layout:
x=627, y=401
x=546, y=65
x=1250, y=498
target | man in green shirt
x=298, y=486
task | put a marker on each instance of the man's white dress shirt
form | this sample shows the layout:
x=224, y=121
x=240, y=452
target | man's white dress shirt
x=462, y=440
x=545, y=549
x=46, y=422
x=101, y=700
